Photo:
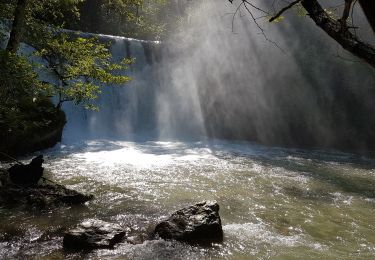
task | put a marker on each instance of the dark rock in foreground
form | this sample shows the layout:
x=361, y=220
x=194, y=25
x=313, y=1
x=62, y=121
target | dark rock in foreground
x=27, y=174
x=32, y=128
x=40, y=196
x=200, y=223
x=93, y=234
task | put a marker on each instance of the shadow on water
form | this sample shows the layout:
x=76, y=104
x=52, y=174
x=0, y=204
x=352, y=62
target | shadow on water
x=322, y=170
x=333, y=168
x=265, y=153
x=350, y=183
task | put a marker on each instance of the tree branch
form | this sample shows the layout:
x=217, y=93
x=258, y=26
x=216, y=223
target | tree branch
x=245, y=3
x=334, y=29
x=345, y=13
x=17, y=26
x=368, y=7
x=279, y=13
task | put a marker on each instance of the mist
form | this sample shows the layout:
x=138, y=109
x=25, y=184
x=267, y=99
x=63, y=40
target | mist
x=292, y=86
x=221, y=77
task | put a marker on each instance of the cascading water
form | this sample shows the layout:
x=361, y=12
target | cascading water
x=124, y=110
x=274, y=202
x=216, y=80
x=149, y=107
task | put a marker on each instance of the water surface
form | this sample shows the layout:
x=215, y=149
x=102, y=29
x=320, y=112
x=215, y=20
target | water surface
x=275, y=203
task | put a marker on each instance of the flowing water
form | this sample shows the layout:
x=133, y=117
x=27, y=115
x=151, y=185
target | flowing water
x=275, y=203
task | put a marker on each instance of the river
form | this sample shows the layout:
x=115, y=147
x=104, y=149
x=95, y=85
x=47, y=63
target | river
x=274, y=202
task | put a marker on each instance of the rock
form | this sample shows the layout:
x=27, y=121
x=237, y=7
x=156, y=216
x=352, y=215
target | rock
x=19, y=187
x=27, y=174
x=93, y=234
x=40, y=196
x=199, y=223
x=44, y=129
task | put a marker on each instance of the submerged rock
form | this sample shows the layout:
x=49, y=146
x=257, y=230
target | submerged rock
x=40, y=196
x=93, y=234
x=199, y=223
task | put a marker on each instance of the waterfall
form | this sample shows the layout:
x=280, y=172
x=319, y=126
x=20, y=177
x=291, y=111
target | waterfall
x=123, y=110
x=148, y=107
x=221, y=79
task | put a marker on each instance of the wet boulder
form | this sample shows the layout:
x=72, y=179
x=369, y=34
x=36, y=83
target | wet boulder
x=93, y=234
x=27, y=174
x=20, y=186
x=199, y=223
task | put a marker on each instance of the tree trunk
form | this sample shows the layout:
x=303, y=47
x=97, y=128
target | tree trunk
x=336, y=31
x=90, y=16
x=17, y=26
x=368, y=7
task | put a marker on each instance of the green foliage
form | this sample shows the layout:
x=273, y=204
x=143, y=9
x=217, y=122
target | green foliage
x=53, y=12
x=7, y=9
x=82, y=65
x=21, y=92
x=144, y=19
x=18, y=80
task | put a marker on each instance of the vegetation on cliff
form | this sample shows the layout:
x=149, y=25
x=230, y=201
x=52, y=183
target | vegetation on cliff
x=80, y=65
x=28, y=119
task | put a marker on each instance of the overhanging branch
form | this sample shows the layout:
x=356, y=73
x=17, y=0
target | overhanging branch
x=368, y=7
x=279, y=13
x=339, y=33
